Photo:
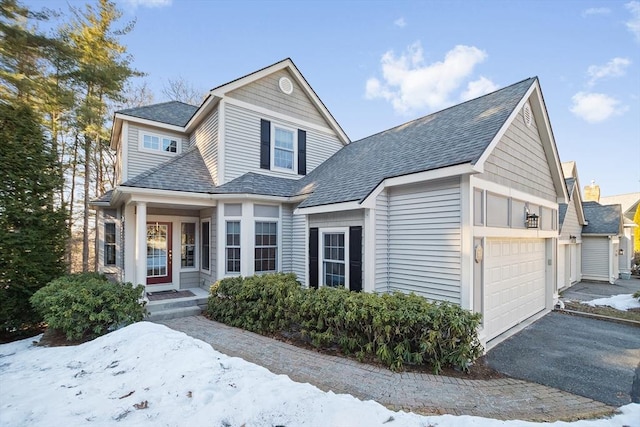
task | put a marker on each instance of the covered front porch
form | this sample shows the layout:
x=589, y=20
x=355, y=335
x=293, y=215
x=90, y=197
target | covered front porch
x=171, y=239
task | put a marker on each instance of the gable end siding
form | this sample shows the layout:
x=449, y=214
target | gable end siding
x=205, y=137
x=266, y=93
x=242, y=144
x=519, y=162
x=142, y=161
x=424, y=240
x=571, y=226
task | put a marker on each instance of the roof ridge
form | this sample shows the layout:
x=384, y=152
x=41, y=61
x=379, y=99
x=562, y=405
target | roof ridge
x=157, y=104
x=448, y=108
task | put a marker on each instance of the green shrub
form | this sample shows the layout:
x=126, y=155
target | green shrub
x=637, y=295
x=257, y=303
x=88, y=305
x=395, y=329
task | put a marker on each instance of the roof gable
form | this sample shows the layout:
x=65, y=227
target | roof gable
x=298, y=80
x=534, y=97
x=454, y=136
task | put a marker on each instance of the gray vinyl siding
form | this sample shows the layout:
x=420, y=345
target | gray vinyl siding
x=382, y=242
x=141, y=161
x=424, y=240
x=205, y=137
x=190, y=279
x=351, y=218
x=518, y=161
x=242, y=144
x=208, y=278
x=595, y=258
x=299, y=247
x=287, y=238
x=266, y=93
x=570, y=225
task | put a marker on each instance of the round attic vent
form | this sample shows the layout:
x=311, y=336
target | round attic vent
x=526, y=112
x=285, y=85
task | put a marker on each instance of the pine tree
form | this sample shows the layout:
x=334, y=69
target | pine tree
x=32, y=227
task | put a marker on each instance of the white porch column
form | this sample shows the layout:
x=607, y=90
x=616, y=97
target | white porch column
x=141, y=243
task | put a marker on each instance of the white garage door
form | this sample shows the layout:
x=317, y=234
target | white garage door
x=514, y=282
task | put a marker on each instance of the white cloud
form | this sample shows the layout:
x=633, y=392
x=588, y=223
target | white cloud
x=633, y=24
x=410, y=84
x=477, y=88
x=614, y=68
x=595, y=107
x=148, y=3
x=400, y=22
x=596, y=11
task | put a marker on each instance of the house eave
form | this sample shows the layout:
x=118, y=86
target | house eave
x=148, y=122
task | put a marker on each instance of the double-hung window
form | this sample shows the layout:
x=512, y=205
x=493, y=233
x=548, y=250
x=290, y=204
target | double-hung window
x=232, y=249
x=110, y=243
x=334, y=258
x=284, y=146
x=205, y=245
x=266, y=246
x=188, y=244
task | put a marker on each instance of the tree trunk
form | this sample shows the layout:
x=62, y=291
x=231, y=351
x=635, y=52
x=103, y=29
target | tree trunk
x=85, y=222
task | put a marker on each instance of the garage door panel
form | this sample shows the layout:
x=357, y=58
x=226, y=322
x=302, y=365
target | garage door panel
x=514, y=282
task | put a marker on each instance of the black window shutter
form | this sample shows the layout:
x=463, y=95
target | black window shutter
x=313, y=258
x=355, y=258
x=265, y=144
x=302, y=152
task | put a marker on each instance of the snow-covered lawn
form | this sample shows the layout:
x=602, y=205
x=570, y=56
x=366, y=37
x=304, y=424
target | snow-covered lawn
x=619, y=302
x=148, y=374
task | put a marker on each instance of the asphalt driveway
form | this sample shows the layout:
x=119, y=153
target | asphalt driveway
x=592, y=358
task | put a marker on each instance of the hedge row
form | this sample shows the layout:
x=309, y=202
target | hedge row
x=88, y=305
x=394, y=329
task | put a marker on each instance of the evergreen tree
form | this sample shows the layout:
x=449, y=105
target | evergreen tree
x=32, y=227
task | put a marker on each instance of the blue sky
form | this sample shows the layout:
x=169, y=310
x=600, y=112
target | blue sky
x=377, y=64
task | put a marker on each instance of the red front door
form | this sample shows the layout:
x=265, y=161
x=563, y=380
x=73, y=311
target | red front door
x=159, y=253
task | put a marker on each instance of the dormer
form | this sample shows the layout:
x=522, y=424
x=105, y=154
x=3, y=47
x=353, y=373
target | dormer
x=145, y=137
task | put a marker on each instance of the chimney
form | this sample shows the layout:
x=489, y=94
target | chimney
x=592, y=192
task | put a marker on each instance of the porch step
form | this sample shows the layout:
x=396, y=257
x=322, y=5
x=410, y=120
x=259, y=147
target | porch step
x=173, y=313
x=178, y=307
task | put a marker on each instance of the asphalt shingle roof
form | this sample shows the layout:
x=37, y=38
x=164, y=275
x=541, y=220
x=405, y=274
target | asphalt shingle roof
x=254, y=183
x=602, y=219
x=172, y=113
x=570, y=182
x=562, y=212
x=186, y=172
x=104, y=198
x=456, y=135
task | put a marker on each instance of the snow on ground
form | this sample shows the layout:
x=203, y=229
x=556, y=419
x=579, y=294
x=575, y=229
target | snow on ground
x=619, y=302
x=148, y=374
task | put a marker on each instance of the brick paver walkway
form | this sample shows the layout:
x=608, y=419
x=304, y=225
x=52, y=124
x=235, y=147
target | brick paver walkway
x=417, y=392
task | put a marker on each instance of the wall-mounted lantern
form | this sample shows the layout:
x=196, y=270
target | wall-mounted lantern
x=621, y=251
x=531, y=219
x=572, y=239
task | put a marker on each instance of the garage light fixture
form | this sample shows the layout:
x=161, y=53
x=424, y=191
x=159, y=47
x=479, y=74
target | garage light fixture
x=531, y=219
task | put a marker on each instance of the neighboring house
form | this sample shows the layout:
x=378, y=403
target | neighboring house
x=601, y=241
x=572, y=220
x=629, y=204
x=459, y=206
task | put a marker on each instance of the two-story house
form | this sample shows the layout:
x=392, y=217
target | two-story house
x=459, y=206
